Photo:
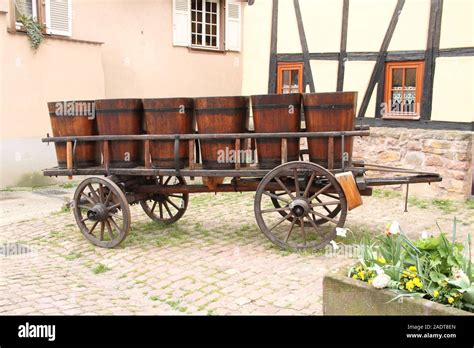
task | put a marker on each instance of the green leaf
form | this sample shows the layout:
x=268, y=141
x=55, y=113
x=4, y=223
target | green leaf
x=468, y=295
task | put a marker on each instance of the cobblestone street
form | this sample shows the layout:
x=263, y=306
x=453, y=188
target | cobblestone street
x=213, y=261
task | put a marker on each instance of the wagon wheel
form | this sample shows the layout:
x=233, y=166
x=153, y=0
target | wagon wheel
x=166, y=207
x=310, y=194
x=102, y=212
x=329, y=211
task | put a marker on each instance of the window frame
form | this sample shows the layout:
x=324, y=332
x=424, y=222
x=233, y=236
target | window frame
x=283, y=66
x=389, y=67
x=37, y=14
x=204, y=23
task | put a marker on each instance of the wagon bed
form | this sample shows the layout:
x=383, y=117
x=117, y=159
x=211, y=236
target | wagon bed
x=299, y=195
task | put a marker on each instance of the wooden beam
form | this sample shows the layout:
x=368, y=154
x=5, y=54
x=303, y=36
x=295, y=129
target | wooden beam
x=416, y=124
x=381, y=58
x=380, y=93
x=342, y=48
x=308, y=74
x=273, y=50
x=432, y=52
x=456, y=52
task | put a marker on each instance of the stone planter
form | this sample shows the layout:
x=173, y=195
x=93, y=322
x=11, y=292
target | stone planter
x=346, y=296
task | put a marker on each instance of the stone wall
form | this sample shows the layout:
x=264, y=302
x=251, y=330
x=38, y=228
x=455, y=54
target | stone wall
x=446, y=152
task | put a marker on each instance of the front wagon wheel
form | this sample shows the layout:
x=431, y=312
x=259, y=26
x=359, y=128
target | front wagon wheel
x=102, y=212
x=307, y=195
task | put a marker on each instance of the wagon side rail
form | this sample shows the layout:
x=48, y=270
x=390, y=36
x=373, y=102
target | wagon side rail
x=72, y=141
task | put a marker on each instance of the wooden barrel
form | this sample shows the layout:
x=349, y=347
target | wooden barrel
x=326, y=112
x=69, y=118
x=217, y=115
x=121, y=117
x=168, y=116
x=274, y=113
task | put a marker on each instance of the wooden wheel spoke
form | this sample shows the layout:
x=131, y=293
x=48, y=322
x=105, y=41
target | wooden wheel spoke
x=84, y=219
x=276, y=197
x=115, y=224
x=93, y=193
x=290, y=230
x=161, y=210
x=107, y=199
x=303, y=234
x=308, y=186
x=280, y=221
x=297, y=184
x=109, y=230
x=283, y=186
x=154, y=206
x=81, y=206
x=323, y=205
x=168, y=209
x=167, y=181
x=88, y=198
x=330, y=195
x=101, y=193
x=311, y=221
x=275, y=209
x=114, y=206
x=102, y=226
x=320, y=191
x=175, y=196
x=324, y=217
x=93, y=227
x=172, y=203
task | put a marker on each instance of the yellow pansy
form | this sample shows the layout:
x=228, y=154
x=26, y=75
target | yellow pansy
x=370, y=281
x=412, y=268
x=381, y=260
x=361, y=274
x=417, y=282
x=355, y=276
x=410, y=285
x=450, y=299
x=435, y=293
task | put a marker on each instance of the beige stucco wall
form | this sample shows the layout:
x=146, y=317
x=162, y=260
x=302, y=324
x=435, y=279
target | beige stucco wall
x=138, y=55
x=453, y=90
x=457, y=24
x=256, y=47
x=325, y=75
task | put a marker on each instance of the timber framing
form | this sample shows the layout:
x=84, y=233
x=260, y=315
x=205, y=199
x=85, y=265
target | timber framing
x=418, y=124
x=376, y=72
x=273, y=50
x=342, y=50
x=382, y=56
x=307, y=73
x=432, y=52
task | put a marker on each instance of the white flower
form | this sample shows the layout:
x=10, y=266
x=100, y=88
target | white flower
x=334, y=245
x=378, y=269
x=394, y=227
x=424, y=235
x=341, y=232
x=381, y=281
x=459, y=274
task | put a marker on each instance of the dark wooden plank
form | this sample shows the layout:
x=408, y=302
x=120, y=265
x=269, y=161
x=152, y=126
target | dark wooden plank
x=272, y=76
x=381, y=58
x=416, y=124
x=308, y=74
x=343, y=46
x=432, y=51
x=456, y=52
x=380, y=93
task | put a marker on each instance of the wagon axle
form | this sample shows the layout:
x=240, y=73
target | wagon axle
x=98, y=213
x=299, y=207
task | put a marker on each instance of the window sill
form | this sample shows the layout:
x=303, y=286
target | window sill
x=413, y=117
x=55, y=37
x=205, y=49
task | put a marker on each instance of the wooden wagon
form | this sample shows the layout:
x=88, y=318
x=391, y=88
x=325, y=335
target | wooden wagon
x=298, y=204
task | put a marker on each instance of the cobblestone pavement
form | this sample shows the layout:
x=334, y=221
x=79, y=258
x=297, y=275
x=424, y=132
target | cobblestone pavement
x=213, y=261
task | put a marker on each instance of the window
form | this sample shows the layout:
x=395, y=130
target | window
x=403, y=89
x=25, y=8
x=205, y=23
x=55, y=15
x=208, y=24
x=290, y=78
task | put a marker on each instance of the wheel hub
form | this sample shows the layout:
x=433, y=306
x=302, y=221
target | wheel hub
x=299, y=207
x=98, y=213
